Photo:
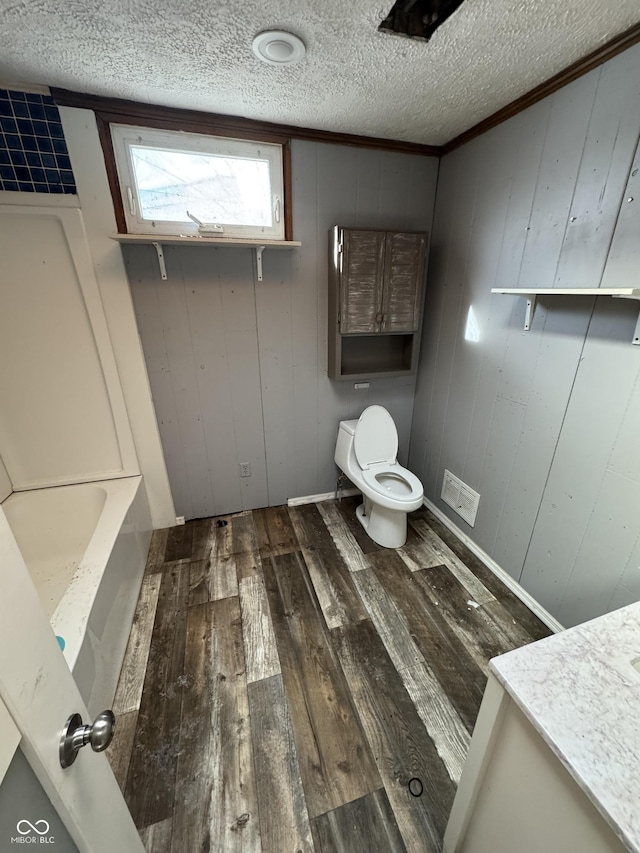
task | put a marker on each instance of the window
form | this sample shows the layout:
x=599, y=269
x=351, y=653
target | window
x=193, y=184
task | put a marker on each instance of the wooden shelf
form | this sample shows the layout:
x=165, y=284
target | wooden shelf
x=530, y=295
x=621, y=292
x=158, y=241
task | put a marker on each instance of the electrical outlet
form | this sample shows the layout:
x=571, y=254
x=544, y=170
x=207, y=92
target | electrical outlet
x=245, y=469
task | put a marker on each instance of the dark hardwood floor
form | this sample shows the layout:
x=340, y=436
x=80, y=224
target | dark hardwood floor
x=286, y=679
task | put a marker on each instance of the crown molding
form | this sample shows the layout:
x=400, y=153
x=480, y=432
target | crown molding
x=153, y=115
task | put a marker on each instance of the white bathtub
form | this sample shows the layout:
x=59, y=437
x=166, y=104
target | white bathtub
x=86, y=546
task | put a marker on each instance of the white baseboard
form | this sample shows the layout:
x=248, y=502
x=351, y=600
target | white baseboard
x=533, y=605
x=325, y=496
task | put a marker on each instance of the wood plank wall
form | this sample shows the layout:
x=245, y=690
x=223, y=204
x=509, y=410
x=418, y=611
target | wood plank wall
x=544, y=424
x=238, y=369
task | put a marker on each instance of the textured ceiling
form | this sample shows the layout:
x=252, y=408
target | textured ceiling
x=353, y=79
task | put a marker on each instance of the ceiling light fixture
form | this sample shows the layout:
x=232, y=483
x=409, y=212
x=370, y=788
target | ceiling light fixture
x=277, y=47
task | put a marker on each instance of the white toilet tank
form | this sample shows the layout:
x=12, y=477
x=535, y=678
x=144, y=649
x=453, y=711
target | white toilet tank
x=344, y=444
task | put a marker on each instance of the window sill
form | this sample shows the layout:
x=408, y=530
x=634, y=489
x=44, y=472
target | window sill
x=177, y=240
x=158, y=240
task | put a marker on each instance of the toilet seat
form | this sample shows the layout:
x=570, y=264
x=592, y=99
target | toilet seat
x=401, y=485
x=376, y=438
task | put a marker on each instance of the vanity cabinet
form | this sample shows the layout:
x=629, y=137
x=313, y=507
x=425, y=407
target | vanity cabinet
x=376, y=293
x=554, y=756
x=516, y=793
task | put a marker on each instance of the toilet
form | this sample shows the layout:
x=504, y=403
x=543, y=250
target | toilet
x=366, y=452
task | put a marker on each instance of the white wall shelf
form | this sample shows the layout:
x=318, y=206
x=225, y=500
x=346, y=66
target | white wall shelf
x=159, y=241
x=530, y=295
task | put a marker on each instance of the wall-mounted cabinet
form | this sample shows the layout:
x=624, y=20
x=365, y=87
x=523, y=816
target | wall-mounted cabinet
x=376, y=294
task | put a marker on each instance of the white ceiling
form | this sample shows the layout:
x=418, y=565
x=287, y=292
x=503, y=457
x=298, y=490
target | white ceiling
x=354, y=79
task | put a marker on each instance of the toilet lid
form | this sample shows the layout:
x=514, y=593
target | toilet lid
x=376, y=438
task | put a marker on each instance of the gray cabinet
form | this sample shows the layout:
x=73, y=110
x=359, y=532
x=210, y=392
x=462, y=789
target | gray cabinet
x=376, y=289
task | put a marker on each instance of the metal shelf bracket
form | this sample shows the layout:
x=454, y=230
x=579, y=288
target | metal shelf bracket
x=636, y=332
x=531, y=310
x=163, y=269
x=259, y=251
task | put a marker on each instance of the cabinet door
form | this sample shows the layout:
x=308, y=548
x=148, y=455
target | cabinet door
x=361, y=281
x=403, y=275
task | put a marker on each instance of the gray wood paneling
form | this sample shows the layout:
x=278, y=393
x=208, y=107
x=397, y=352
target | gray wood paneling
x=275, y=341
x=544, y=423
x=455, y=246
x=368, y=174
x=596, y=509
x=551, y=376
x=308, y=358
x=623, y=256
x=238, y=368
x=498, y=459
x=225, y=341
x=571, y=110
x=604, y=169
x=628, y=590
x=470, y=376
x=603, y=558
x=139, y=263
x=522, y=146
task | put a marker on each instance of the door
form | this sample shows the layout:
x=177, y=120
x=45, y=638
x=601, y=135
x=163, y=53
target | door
x=361, y=270
x=403, y=275
x=381, y=276
x=40, y=694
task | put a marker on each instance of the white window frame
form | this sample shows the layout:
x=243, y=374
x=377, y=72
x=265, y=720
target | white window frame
x=124, y=136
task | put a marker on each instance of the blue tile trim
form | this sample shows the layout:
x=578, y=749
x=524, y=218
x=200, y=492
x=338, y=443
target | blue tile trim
x=33, y=151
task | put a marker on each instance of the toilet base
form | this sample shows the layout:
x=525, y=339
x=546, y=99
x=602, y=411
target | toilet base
x=387, y=527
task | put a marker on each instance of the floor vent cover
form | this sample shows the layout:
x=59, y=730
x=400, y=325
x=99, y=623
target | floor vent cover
x=460, y=497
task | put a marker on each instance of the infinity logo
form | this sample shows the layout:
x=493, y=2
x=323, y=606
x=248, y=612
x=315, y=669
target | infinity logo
x=32, y=827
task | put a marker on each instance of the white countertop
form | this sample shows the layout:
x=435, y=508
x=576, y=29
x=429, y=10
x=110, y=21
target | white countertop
x=581, y=692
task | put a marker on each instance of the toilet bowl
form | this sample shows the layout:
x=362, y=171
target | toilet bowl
x=366, y=451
